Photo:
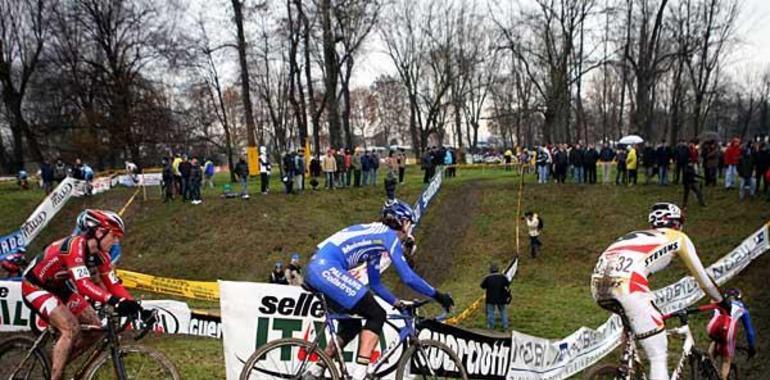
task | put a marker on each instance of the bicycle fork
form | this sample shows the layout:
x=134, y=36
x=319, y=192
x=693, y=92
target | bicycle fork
x=117, y=360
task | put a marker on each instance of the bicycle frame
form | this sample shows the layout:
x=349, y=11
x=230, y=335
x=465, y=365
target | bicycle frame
x=631, y=356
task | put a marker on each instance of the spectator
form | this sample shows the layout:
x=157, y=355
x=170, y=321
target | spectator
x=355, y=164
x=762, y=162
x=184, y=170
x=77, y=170
x=339, y=174
x=88, y=173
x=242, y=172
x=746, y=173
x=196, y=179
x=449, y=162
x=278, y=276
x=390, y=185
x=375, y=160
x=208, y=173
x=732, y=156
x=401, y=165
x=681, y=157
x=46, y=175
x=59, y=171
x=497, y=296
x=691, y=183
x=534, y=228
x=264, y=170
x=177, y=176
x=392, y=163
x=426, y=164
x=543, y=164
x=366, y=167
x=693, y=147
x=508, y=159
x=167, y=183
x=632, y=165
x=561, y=163
x=299, y=170
x=605, y=157
x=315, y=172
x=453, y=168
x=576, y=163
x=348, y=162
x=711, y=162
x=287, y=172
x=329, y=166
x=621, y=176
x=22, y=179
x=649, y=160
x=293, y=272
x=590, y=157
x=663, y=155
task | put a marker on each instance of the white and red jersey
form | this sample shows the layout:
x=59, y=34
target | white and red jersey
x=624, y=267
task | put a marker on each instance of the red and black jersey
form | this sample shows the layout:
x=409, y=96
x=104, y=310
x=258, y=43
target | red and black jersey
x=67, y=263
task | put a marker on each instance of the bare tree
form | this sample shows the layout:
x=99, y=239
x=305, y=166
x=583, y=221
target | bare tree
x=244, y=67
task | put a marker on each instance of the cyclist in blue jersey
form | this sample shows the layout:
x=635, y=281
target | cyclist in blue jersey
x=327, y=272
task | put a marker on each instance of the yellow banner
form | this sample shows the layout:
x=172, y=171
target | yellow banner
x=199, y=290
x=253, y=160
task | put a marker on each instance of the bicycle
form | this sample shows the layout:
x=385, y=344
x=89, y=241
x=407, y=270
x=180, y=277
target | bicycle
x=700, y=364
x=23, y=357
x=423, y=357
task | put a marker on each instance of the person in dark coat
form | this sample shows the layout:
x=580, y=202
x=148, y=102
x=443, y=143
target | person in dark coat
x=426, y=164
x=287, y=172
x=576, y=163
x=242, y=172
x=497, y=296
x=663, y=156
x=46, y=174
x=762, y=163
x=184, y=169
x=167, y=175
x=590, y=157
x=690, y=182
x=681, y=157
x=561, y=164
x=746, y=173
x=196, y=179
x=649, y=160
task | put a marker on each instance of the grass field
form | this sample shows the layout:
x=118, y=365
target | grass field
x=471, y=224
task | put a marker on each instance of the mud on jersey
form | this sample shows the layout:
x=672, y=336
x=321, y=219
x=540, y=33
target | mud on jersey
x=623, y=268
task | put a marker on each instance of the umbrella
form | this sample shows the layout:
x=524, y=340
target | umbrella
x=630, y=140
x=710, y=136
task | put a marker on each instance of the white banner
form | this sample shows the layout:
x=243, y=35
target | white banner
x=256, y=313
x=50, y=206
x=132, y=180
x=535, y=358
x=14, y=314
x=174, y=316
x=100, y=185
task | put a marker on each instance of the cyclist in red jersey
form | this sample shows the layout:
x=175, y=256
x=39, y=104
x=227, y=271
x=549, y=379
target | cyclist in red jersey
x=58, y=286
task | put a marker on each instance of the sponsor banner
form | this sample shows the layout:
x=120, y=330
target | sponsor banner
x=205, y=324
x=14, y=314
x=174, y=316
x=133, y=180
x=256, y=313
x=200, y=290
x=484, y=356
x=50, y=206
x=427, y=195
x=100, y=185
x=10, y=244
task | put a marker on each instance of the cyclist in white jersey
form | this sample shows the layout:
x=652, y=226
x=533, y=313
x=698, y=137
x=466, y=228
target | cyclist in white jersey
x=619, y=282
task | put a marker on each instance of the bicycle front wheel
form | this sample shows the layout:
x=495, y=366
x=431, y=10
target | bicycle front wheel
x=289, y=358
x=13, y=366
x=138, y=362
x=430, y=359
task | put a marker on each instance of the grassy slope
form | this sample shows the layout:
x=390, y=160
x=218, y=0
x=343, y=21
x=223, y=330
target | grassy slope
x=240, y=240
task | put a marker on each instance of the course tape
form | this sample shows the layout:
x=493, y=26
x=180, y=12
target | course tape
x=198, y=290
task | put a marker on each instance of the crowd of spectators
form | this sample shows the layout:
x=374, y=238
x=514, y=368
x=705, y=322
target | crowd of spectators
x=183, y=176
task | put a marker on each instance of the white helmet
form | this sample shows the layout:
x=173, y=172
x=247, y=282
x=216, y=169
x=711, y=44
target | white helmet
x=666, y=215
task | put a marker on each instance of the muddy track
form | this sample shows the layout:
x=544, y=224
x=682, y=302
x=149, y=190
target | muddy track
x=439, y=235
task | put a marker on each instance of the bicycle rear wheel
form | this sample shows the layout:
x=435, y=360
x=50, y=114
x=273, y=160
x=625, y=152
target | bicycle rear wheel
x=287, y=358
x=430, y=359
x=139, y=362
x=13, y=350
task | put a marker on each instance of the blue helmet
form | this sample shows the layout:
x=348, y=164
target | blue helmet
x=394, y=212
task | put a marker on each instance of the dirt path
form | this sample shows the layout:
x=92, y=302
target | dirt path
x=439, y=235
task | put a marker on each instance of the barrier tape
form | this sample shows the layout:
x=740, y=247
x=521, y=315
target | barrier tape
x=198, y=290
x=128, y=203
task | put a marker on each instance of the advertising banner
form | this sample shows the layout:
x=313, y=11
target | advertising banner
x=256, y=313
x=11, y=243
x=14, y=314
x=205, y=324
x=50, y=206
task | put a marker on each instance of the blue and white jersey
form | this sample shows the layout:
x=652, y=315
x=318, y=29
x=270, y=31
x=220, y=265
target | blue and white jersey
x=365, y=244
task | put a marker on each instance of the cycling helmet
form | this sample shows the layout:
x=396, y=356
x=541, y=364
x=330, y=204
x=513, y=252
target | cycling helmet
x=666, y=215
x=395, y=212
x=89, y=220
x=733, y=293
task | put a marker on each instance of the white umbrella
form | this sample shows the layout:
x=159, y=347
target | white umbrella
x=630, y=140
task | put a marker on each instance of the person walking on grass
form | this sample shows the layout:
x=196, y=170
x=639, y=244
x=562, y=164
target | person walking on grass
x=498, y=296
x=242, y=172
x=534, y=228
x=690, y=181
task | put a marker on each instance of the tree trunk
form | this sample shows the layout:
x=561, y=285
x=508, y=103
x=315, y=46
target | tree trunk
x=245, y=87
x=331, y=65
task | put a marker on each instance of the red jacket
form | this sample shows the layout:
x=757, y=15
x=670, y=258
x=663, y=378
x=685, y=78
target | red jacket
x=732, y=154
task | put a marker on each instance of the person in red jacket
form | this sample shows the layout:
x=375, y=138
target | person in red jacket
x=732, y=156
x=57, y=285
